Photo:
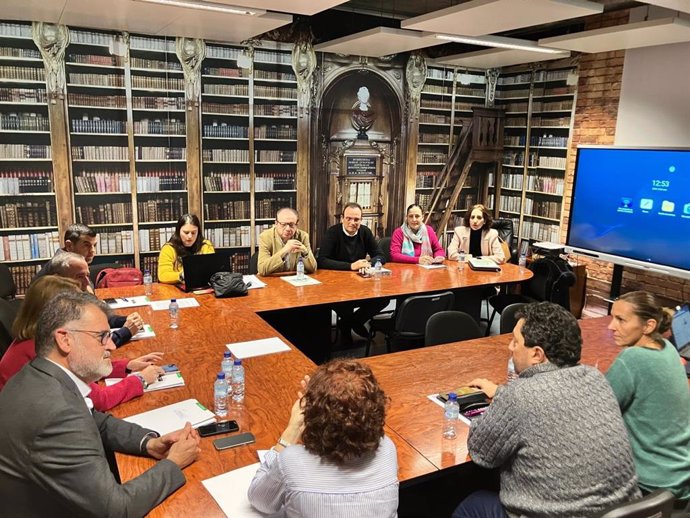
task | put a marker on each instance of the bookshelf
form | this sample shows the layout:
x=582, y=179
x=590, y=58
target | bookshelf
x=446, y=103
x=28, y=214
x=539, y=116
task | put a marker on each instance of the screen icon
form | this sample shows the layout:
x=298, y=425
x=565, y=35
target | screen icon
x=646, y=203
x=667, y=206
x=626, y=203
x=686, y=208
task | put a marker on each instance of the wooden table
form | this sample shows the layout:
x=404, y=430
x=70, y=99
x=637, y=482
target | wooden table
x=408, y=377
x=198, y=344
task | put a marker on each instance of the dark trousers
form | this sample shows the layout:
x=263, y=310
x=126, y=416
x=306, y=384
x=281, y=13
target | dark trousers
x=367, y=309
x=480, y=504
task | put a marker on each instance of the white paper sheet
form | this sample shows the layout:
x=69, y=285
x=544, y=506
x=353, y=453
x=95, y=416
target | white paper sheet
x=171, y=380
x=307, y=281
x=173, y=417
x=253, y=348
x=253, y=282
x=146, y=332
x=130, y=302
x=229, y=490
x=187, y=302
x=431, y=266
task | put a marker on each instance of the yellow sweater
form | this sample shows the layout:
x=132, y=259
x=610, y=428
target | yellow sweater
x=170, y=266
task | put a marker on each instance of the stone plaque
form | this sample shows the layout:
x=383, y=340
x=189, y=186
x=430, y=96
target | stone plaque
x=359, y=165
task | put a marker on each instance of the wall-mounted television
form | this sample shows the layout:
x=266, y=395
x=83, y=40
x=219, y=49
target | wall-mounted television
x=631, y=206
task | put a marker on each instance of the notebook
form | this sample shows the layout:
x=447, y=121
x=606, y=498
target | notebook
x=198, y=269
x=680, y=326
x=484, y=265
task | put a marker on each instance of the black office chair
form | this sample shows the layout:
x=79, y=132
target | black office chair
x=385, y=244
x=450, y=326
x=8, y=312
x=504, y=227
x=551, y=282
x=657, y=504
x=8, y=289
x=509, y=318
x=254, y=264
x=408, y=324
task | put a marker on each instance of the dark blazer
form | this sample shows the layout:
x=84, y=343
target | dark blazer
x=338, y=251
x=52, y=455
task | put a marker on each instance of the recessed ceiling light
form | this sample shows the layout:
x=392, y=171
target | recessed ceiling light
x=499, y=42
x=207, y=6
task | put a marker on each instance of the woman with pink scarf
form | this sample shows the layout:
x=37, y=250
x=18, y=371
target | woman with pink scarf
x=414, y=242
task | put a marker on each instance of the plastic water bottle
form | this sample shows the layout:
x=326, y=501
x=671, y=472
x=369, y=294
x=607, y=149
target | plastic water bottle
x=451, y=411
x=148, y=283
x=461, y=259
x=220, y=395
x=226, y=367
x=377, y=267
x=512, y=374
x=238, y=381
x=300, y=268
x=173, y=309
x=522, y=262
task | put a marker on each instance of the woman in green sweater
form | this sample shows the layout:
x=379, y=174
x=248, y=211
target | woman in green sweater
x=649, y=382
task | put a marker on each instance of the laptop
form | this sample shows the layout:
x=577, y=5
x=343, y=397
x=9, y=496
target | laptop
x=198, y=270
x=680, y=326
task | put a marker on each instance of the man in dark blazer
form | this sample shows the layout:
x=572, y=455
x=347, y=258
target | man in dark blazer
x=53, y=444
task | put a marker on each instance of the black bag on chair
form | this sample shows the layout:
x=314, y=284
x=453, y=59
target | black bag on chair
x=228, y=284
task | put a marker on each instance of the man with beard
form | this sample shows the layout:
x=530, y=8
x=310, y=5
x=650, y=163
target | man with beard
x=53, y=444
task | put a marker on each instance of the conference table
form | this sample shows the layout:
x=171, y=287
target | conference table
x=272, y=381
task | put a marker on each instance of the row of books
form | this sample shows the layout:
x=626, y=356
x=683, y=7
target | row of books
x=226, y=236
x=423, y=200
x=226, y=89
x=105, y=213
x=98, y=125
x=213, y=51
x=24, y=121
x=23, y=95
x=540, y=231
x=552, y=162
x=270, y=56
x=158, y=83
x=24, y=151
x=537, y=121
x=90, y=37
x=275, y=92
x=225, y=155
x=266, y=182
x=267, y=208
x=100, y=153
x=161, y=209
x=160, y=153
x=23, y=275
x=152, y=239
x=512, y=180
x=275, y=155
x=97, y=59
x=115, y=242
x=437, y=89
x=223, y=130
x=544, y=209
x=510, y=203
x=150, y=263
x=275, y=75
x=226, y=72
x=511, y=94
x=549, y=141
x=78, y=78
x=434, y=138
x=434, y=118
x=20, y=30
x=160, y=127
x=158, y=103
x=23, y=247
x=102, y=181
x=154, y=181
x=144, y=43
x=221, y=108
x=25, y=73
x=235, y=209
x=436, y=104
x=239, y=263
x=426, y=179
x=97, y=101
x=361, y=193
x=24, y=181
x=276, y=110
x=550, y=184
x=156, y=64
x=276, y=131
x=430, y=157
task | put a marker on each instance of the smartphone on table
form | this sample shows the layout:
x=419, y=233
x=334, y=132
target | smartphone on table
x=234, y=440
x=218, y=428
x=170, y=367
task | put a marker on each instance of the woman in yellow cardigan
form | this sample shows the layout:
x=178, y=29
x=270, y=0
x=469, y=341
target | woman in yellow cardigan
x=187, y=240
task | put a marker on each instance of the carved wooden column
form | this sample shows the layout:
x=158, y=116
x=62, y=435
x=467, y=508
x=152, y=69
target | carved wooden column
x=191, y=53
x=415, y=77
x=304, y=64
x=52, y=41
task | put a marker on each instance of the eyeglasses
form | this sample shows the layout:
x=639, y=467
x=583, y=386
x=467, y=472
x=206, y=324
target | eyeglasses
x=102, y=336
x=287, y=225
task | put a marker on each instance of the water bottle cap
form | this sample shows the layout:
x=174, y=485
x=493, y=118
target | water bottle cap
x=147, y=271
x=173, y=300
x=221, y=376
x=237, y=361
x=452, y=396
x=226, y=354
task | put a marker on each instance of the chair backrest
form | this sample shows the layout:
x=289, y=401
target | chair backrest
x=254, y=264
x=385, y=244
x=8, y=289
x=551, y=282
x=415, y=311
x=508, y=317
x=450, y=326
x=504, y=227
x=657, y=504
x=8, y=312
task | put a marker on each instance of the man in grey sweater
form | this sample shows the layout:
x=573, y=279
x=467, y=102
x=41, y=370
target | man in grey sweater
x=556, y=432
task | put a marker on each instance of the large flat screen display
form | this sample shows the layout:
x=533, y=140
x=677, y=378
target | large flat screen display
x=632, y=206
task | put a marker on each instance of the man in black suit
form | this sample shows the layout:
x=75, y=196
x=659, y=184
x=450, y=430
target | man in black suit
x=53, y=444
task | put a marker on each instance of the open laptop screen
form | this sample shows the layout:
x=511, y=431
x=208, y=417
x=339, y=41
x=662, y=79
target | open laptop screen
x=198, y=269
x=681, y=327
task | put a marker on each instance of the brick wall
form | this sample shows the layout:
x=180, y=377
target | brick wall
x=596, y=112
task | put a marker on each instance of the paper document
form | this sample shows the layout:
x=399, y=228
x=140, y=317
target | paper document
x=431, y=266
x=174, y=379
x=173, y=417
x=466, y=417
x=253, y=348
x=307, y=281
x=187, y=302
x=478, y=263
x=129, y=302
x=229, y=490
x=146, y=332
x=252, y=282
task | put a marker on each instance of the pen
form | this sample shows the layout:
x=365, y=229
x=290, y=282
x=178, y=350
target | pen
x=124, y=299
x=249, y=284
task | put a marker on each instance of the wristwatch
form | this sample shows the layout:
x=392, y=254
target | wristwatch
x=143, y=381
x=283, y=443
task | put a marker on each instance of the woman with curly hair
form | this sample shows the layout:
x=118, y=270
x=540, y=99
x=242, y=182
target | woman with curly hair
x=333, y=458
x=187, y=240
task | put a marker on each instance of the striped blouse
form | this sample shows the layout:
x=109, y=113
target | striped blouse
x=297, y=483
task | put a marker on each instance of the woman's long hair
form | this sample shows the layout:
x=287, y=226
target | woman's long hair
x=176, y=241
